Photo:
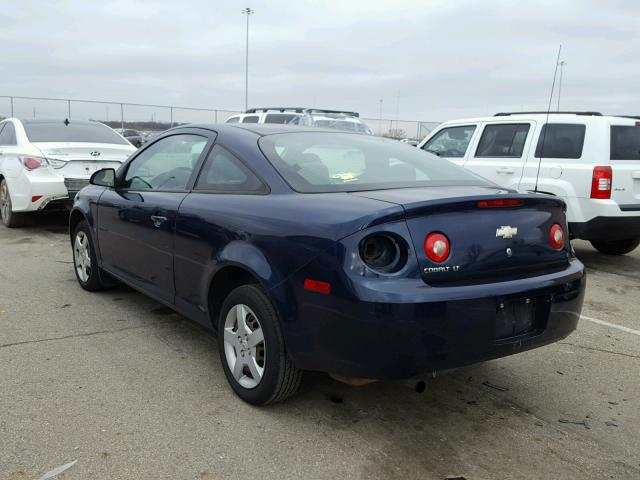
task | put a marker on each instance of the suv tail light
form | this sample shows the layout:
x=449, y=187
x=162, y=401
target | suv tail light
x=556, y=236
x=31, y=163
x=601, y=182
x=437, y=247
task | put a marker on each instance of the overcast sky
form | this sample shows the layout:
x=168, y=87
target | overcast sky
x=442, y=59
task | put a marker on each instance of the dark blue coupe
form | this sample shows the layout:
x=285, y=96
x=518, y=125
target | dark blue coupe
x=318, y=250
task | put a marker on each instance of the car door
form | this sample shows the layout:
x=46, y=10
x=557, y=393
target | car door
x=501, y=152
x=451, y=143
x=136, y=220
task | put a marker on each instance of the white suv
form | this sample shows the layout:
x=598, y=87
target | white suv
x=590, y=160
x=310, y=117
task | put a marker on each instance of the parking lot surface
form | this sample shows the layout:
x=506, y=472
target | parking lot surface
x=130, y=390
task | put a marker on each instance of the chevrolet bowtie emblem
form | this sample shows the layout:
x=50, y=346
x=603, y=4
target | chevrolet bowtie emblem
x=506, y=231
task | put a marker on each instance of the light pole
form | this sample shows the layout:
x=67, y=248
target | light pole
x=247, y=11
x=380, y=118
x=562, y=64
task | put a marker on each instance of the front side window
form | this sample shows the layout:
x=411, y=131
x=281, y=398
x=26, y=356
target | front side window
x=504, y=140
x=313, y=162
x=84, y=132
x=233, y=120
x=250, y=119
x=560, y=140
x=450, y=142
x=625, y=142
x=224, y=173
x=8, y=134
x=165, y=165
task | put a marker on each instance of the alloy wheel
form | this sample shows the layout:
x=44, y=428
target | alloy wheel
x=244, y=347
x=82, y=256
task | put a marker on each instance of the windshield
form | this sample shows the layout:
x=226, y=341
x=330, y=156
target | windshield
x=73, y=132
x=315, y=162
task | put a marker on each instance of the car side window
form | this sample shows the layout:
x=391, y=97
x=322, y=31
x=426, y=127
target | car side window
x=233, y=120
x=166, y=164
x=561, y=140
x=450, y=142
x=8, y=135
x=504, y=140
x=250, y=119
x=224, y=173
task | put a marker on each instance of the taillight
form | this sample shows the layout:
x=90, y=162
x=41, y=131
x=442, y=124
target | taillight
x=601, y=182
x=500, y=202
x=437, y=247
x=31, y=163
x=556, y=236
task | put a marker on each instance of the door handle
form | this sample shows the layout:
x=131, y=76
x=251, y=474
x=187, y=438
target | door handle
x=505, y=171
x=158, y=220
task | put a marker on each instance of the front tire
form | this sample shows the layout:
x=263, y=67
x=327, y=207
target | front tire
x=85, y=263
x=10, y=218
x=618, y=247
x=252, y=349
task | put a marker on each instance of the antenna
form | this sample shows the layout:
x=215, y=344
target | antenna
x=546, y=122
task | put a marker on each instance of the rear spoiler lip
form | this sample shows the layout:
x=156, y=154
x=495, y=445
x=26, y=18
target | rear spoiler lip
x=470, y=203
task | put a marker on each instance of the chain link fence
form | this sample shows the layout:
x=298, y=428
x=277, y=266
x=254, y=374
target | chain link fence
x=156, y=118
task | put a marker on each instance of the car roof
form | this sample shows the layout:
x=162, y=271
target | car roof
x=261, y=129
x=36, y=121
x=554, y=117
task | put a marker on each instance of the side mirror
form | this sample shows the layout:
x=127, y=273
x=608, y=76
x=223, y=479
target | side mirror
x=105, y=177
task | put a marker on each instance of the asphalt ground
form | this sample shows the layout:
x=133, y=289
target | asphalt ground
x=127, y=389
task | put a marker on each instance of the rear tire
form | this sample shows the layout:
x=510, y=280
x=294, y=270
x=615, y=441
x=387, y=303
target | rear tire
x=618, y=247
x=10, y=218
x=252, y=349
x=85, y=263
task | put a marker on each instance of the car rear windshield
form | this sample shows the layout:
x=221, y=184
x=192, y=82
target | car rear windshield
x=73, y=132
x=319, y=162
x=625, y=142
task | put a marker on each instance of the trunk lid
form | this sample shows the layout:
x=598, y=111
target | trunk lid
x=81, y=160
x=484, y=244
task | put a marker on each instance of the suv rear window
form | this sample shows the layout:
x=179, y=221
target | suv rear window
x=561, y=140
x=504, y=140
x=73, y=132
x=625, y=142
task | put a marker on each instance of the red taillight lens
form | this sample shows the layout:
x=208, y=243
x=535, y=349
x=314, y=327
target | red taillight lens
x=317, y=286
x=500, y=202
x=556, y=236
x=35, y=198
x=31, y=163
x=437, y=247
x=601, y=182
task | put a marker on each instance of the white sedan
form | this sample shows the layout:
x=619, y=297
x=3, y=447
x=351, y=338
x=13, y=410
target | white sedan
x=44, y=163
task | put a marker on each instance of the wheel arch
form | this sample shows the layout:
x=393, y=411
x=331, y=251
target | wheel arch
x=227, y=278
x=75, y=217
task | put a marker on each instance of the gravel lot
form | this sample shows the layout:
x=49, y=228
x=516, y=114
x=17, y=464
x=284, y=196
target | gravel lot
x=131, y=390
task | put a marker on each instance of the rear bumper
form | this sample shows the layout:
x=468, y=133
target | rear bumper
x=607, y=228
x=417, y=329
